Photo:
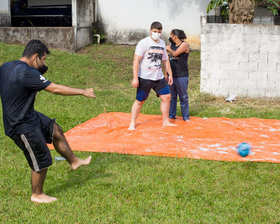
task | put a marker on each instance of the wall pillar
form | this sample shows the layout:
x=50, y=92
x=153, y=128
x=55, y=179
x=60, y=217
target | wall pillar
x=5, y=13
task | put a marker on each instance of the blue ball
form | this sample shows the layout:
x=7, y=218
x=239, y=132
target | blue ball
x=243, y=149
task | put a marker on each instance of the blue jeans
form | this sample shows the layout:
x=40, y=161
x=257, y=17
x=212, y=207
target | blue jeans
x=179, y=87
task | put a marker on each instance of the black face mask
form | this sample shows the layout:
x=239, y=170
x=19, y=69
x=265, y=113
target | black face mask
x=43, y=69
x=171, y=41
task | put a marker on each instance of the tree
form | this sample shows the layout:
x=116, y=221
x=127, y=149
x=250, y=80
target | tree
x=242, y=11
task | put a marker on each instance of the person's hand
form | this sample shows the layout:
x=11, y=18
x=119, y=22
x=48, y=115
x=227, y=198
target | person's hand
x=89, y=93
x=170, y=80
x=135, y=83
x=168, y=48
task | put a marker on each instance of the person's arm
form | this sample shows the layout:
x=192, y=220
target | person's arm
x=165, y=73
x=135, y=69
x=69, y=91
x=168, y=48
x=167, y=68
x=184, y=47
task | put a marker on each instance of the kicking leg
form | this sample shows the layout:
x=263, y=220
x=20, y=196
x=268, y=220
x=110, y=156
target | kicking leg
x=135, y=110
x=62, y=147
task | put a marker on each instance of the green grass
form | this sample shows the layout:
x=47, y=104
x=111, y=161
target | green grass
x=118, y=188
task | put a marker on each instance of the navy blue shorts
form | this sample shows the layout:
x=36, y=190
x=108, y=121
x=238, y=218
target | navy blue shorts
x=34, y=143
x=145, y=85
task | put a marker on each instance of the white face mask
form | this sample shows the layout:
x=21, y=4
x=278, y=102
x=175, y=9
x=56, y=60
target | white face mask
x=155, y=35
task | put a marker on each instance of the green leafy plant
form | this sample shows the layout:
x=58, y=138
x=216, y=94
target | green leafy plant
x=215, y=3
x=272, y=5
x=98, y=29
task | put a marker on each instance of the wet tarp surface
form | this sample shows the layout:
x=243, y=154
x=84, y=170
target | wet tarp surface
x=201, y=138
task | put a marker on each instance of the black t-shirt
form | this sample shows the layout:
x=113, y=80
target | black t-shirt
x=19, y=84
x=179, y=64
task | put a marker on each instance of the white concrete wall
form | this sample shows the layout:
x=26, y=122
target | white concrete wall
x=4, y=6
x=5, y=13
x=241, y=60
x=55, y=37
x=82, y=20
x=127, y=21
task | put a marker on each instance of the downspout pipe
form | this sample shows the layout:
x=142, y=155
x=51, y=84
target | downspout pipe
x=98, y=37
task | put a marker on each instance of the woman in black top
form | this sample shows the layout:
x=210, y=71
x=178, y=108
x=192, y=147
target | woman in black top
x=178, y=55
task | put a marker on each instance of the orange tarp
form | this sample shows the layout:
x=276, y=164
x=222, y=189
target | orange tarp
x=201, y=138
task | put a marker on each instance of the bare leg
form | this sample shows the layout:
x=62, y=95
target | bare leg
x=62, y=147
x=37, y=183
x=135, y=110
x=164, y=106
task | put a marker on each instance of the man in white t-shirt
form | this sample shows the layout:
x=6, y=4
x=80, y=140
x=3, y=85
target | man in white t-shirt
x=150, y=55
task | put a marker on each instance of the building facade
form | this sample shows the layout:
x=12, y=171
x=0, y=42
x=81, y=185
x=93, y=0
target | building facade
x=71, y=24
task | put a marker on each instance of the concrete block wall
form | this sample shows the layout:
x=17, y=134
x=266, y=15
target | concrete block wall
x=55, y=37
x=5, y=20
x=240, y=60
x=262, y=15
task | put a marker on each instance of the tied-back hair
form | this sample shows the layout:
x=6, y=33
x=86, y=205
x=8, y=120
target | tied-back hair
x=179, y=33
x=35, y=47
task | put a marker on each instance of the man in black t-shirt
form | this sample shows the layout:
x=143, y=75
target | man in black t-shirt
x=19, y=82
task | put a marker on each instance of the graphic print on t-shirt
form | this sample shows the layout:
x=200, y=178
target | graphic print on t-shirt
x=155, y=56
x=43, y=79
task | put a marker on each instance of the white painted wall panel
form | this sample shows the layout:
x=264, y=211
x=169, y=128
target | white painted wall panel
x=4, y=7
x=5, y=13
x=125, y=21
x=240, y=60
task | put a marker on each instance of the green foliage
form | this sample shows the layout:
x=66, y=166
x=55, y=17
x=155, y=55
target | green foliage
x=98, y=29
x=272, y=5
x=215, y=3
x=219, y=3
x=118, y=188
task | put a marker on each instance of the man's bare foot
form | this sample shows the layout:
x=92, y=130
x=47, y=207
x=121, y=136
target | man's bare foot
x=42, y=198
x=131, y=127
x=80, y=162
x=168, y=124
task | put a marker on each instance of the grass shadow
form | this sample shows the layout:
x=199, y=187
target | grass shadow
x=73, y=178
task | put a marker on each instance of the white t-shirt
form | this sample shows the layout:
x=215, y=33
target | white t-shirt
x=152, y=54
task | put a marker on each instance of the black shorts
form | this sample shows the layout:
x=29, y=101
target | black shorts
x=159, y=86
x=34, y=143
